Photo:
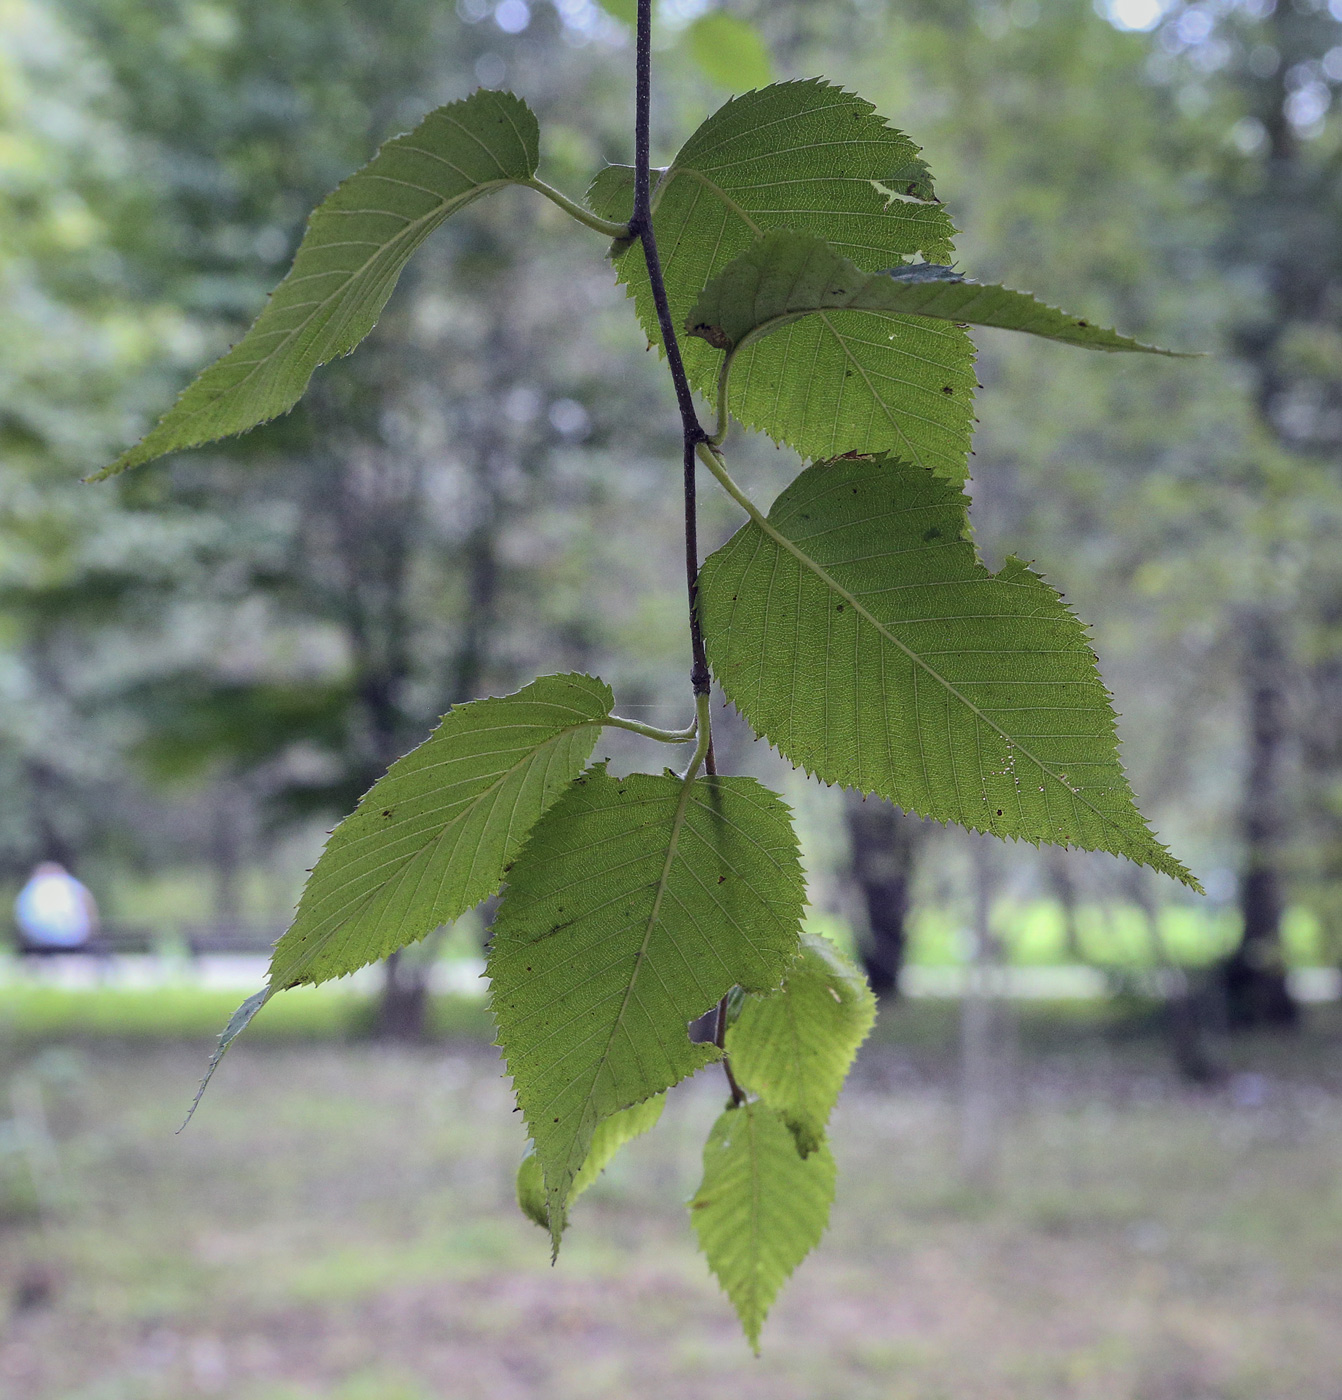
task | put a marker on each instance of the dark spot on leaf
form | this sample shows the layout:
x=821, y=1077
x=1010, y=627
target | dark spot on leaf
x=999, y=811
x=946, y=389
x=1083, y=324
x=715, y=335
x=839, y=607
x=933, y=534
x=387, y=812
x=721, y=879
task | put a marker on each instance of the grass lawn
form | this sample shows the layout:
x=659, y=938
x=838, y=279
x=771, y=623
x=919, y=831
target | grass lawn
x=338, y=1223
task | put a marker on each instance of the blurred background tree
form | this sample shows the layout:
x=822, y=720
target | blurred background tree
x=201, y=666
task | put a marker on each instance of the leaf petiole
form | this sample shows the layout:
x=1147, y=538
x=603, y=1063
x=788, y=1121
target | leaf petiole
x=703, y=724
x=648, y=731
x=719, y=434
x=584, y=216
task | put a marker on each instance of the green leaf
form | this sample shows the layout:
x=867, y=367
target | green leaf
x=858, y=631
x=760, y=1209
x=794, y=1048
x=237, y=1023
x=357, y=242
x=730, y=51
x=815, y=159
x=786, y=276
x=626, y=11
x=434, y=836
x=636, y=904
x=611, y=1134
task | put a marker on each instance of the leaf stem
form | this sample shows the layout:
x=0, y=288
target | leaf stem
x=704, y=750
x=724, y=422
x=583, y=216
x=648, y=731
x=692, y=433
x=720, y=1040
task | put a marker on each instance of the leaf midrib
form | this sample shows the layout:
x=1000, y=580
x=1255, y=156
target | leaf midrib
x=833, y=584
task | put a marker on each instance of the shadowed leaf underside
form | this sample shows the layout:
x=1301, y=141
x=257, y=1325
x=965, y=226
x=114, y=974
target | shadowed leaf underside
x=787, y=276
x=857, y=630
x=636, y=904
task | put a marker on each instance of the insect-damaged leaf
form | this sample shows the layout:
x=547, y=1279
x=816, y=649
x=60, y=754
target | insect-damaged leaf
x=794, y=1047
x=357, y=242
x=786, y=276
x=760, y=1209
x=815, y=159
x=636, y=904
x=433, y=837
x=611, y=1134
x=858, y=631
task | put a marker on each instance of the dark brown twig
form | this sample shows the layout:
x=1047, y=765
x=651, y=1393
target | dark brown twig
x=692, y=432
x=640, y=226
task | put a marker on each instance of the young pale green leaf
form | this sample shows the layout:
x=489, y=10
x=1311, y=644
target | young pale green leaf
x=611, y=1134
x=635, y=905
x=729, y=51
x=237, y=1023
x=434, y=836
x=794, y=1048
x=357, y=242
x=785, y=276
x=760, y=1209
x=817, y=160
x=858, y=631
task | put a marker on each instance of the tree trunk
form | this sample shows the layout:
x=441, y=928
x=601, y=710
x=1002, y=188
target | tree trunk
x=885, y=843
x=984, y=1072
x=1064, y=886
x=402, y=1010
x=1254, y=976
x=1186, y=1012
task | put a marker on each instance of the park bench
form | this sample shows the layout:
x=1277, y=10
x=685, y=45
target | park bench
x=110, y=940
x=230, y=937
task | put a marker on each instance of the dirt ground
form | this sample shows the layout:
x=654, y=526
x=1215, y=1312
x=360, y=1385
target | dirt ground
x=338, y=1222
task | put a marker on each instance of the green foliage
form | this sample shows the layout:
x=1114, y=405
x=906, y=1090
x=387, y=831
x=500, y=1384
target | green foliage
x=785, y=276
x=636, y=905
x=357, y=243
x=794, y=1048
x=434, y=837
x=730, y=51
x=814, y=159
x=611, y=1134
x=760, y=1209
x=855, y=628
x=805, y=250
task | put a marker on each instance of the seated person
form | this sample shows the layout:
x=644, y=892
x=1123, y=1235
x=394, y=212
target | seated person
x=54, y=912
